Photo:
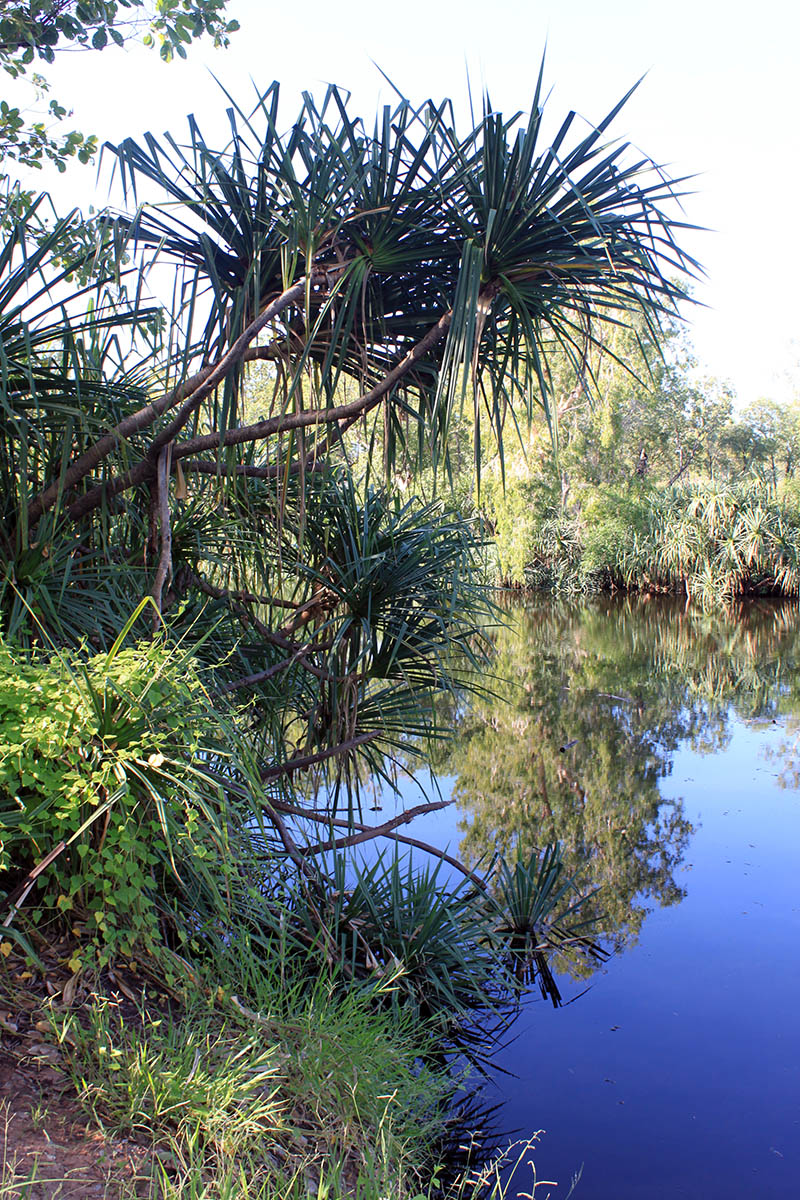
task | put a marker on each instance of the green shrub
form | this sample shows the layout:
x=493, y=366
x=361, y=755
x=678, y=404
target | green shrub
x=106, y=757
x=719, y=541
x=701, y=539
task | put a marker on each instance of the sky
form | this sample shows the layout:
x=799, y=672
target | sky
x=720, y=101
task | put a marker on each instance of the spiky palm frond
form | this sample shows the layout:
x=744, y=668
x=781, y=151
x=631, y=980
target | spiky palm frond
x=404, y=259
x=520, y=248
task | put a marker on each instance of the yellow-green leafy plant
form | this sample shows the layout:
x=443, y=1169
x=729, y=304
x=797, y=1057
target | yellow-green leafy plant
x=104, y=777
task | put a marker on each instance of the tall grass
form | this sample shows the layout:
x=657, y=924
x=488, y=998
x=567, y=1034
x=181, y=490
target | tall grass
x=299, y=1089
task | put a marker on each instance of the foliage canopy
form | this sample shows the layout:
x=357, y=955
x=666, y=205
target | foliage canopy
x=33, y=32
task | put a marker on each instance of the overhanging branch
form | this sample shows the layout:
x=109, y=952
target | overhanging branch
x=145, y=468
x=192, y=392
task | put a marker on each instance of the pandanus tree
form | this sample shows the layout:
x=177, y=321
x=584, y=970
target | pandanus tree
x=380, y=280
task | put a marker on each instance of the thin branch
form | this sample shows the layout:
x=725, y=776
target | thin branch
x=197, y=466
x=404, y=839
x=164, y=569
x=235, y=599
x=309, y=881
x=263, y=676
x=682, y=470
x=442, y=854
x=236, y=354
x=367, y=832
x=303, y=762
x=267, y=601
x=289, y=845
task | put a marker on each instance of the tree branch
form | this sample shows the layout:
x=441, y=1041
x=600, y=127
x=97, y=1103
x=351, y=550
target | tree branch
x=303, y=762
x=195, y=389
x=198, y=466
x=380, y=831
x=367, y=832
x=261, y=676
x=682, y=470
x=144, y=469
x=236, y=355
x=319, y=416
x=237, y=600
x=164, y=568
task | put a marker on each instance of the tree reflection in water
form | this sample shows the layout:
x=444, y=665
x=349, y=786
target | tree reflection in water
x=589, y=704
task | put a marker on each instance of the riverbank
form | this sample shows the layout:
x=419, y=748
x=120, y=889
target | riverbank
x=207, y=985
x=707, y=541
x=242, y=1084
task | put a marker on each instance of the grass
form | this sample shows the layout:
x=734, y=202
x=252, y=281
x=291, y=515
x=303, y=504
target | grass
x=281, y=1089
x=281, y=1070
x=186, y=1180
x=318, y=1095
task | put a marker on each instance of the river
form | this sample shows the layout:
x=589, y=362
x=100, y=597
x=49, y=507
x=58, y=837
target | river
x=661, y=747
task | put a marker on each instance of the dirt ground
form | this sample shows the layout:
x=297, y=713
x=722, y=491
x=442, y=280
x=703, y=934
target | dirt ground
x=49, y=1149
x=45, y=1137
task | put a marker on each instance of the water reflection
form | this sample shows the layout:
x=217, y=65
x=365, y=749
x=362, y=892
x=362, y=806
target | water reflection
x=576, y=744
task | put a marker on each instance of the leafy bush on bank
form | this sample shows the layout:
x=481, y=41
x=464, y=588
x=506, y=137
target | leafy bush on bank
x=328, y=999
x=134, y=823
x=104, y=769
x=708, y=541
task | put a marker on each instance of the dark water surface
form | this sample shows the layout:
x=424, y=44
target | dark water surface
x=660, y=747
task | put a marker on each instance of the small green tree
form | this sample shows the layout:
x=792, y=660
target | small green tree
x=34, y=32
x=410, y=270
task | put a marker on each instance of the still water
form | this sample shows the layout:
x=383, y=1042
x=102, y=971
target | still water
x=661, y=747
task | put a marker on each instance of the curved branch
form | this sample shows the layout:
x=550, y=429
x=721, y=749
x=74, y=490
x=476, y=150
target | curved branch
x=367, y=833
x=380, y=831
x=316, y=277
x=303, y=762
x=237, y=602
x=319, y=416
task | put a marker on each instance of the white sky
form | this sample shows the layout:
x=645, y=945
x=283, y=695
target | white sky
x=720, y=101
